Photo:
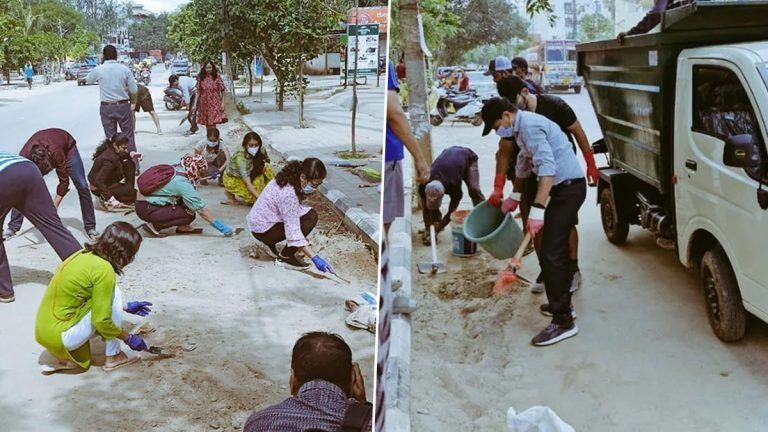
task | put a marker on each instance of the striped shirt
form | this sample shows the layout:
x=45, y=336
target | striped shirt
x=8, y=159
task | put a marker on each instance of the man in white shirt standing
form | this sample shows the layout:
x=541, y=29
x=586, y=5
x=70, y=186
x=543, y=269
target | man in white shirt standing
x=116, y=88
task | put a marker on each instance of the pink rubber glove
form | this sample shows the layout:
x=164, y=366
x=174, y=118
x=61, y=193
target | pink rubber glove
x=510, y=204
x=535, y=221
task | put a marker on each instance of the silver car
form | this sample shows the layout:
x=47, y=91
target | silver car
x=180, y=67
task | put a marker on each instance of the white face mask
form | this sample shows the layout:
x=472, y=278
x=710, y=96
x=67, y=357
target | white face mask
x=522, y=103
x=253, y=151
x=213, y=144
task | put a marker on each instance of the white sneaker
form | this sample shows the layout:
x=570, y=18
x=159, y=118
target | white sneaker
x=93, y=234
x=576, y=282
x=538, y=286
x=8, y=233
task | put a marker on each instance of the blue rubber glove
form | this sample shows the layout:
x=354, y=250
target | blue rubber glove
x=136, y=342
x=215, y=173
x=139, y=308
x=222, y=227
x=322, y=265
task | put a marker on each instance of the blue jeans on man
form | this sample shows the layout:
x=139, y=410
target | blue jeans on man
x=119, y=114
x=77, y=175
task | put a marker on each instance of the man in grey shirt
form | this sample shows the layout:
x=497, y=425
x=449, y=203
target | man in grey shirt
x=116, y=88
x=545, y=151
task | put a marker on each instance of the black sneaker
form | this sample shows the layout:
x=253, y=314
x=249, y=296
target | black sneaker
x=547, y=311
x=554, y=333
x=293, y=261
x=9, y=299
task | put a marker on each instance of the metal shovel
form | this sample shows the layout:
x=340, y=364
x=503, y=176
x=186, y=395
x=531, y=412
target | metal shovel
x=435, y=266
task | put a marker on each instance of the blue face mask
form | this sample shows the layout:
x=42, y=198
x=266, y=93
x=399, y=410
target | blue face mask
x=504, y=132
x=308, y=189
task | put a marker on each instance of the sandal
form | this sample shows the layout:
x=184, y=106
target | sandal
x=193, y=231
x=149, y=232
x=230, y=203
x=59, y=366
x=122, y=360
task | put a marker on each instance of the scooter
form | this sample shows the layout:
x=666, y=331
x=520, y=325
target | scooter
x=174, y=99
x=464, y=107
x=145, y=76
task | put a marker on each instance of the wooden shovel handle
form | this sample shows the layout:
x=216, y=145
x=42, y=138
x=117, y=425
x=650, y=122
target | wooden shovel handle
x=523, y=246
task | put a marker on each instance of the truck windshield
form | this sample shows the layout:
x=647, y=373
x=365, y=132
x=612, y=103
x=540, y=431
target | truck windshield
x=555, y=54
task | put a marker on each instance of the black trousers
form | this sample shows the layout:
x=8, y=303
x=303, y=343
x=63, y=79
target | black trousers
x=276, y=234
x=560, y=217
x=122, y=192
x=22, y=187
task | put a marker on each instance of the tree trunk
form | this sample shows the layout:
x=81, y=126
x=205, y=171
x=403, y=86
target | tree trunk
x=302, y=123
x=250, y=76
x=280, y=95
x=418, y=109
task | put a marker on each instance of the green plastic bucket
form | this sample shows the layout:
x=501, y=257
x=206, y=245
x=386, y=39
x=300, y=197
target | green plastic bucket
x=494, y=231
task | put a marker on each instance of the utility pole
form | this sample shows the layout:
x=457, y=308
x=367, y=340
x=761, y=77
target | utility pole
x=354, y=78
x=418, y=108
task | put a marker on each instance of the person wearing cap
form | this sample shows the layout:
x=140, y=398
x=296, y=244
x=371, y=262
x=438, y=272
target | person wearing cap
x=454, y=166
x=398, y=137
x=520, y=69
x=499, y=68
x=557, y=110
x=544, y=151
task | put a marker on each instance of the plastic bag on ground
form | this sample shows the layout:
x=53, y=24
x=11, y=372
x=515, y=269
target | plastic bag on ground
x=536, y=419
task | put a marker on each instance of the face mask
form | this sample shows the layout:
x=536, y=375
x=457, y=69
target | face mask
x=504, y=132
x=522, y=104
x=253, y=151
x=213, y=144
x=308, y=189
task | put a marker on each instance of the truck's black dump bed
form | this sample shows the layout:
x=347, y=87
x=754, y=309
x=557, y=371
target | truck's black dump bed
x=632, y=86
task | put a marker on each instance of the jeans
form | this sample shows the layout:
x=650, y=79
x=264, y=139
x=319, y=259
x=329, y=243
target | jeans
x=77, y=174
x=122, y=115
x=22, y=187
x=560, y=217
x=276, y=233
x=193, y=114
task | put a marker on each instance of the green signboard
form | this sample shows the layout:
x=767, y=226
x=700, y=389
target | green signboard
x=363, y=49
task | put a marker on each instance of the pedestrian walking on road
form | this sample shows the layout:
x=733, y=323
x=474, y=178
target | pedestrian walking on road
x=454, y=166
x=398, y=137
x=279, y=215
x=327, y=389
x=544, y=151
x=116, y=88
x=248, y=172
x=22, y=187
x=144, y=102
x=83, y=299
x=188, y=87
x=558, y=111
x=56, y=149
x=112, y=174
x=215, y=154
x=29, y=73
x=175, y=202
x=210, y=102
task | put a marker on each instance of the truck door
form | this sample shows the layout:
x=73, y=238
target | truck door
x=716, y=105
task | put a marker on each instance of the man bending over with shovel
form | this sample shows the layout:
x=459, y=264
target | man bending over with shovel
x=454, y=166
x=545, y=151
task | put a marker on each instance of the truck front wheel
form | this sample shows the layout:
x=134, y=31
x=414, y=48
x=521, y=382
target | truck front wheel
x=616, y=230
x=721, y=294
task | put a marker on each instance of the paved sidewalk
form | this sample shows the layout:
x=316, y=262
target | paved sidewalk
x=328, y=113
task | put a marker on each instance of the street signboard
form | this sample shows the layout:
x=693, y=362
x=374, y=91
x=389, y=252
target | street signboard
x=363, y=45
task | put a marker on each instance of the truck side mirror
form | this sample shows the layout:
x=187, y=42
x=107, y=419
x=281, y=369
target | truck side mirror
x=741, y=152
x=599, y=147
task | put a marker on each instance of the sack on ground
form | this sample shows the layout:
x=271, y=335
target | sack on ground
x=154, y=178
x=536, y=419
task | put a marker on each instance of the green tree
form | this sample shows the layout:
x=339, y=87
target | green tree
x=151, y=33
x=594, y=27
x=439, y=21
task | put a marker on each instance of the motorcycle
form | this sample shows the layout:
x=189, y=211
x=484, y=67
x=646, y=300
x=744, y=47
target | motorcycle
x=174, y=99
x=452, y=106
x=145, y=76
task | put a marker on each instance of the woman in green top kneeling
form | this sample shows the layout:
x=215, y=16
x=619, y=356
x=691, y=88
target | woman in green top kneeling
x=82, y=300
x=248, y=172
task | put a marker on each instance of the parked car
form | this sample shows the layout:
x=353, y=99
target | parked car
x=82, y=73
x=180, y=67
x=483, y=85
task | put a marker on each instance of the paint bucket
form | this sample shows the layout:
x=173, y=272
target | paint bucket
x=461, y=246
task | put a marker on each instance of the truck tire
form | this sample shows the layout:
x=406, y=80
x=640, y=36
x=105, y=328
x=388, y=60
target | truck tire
x=615, y=230
x=725, y=309
x=477, y=121
x=435, y=120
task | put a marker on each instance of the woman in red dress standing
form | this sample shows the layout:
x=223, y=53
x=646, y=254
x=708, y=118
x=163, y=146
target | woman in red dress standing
x=210, y=89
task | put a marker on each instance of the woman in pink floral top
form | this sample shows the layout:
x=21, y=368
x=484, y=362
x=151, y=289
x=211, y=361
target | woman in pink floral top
x=278, y=214
x=210, y=90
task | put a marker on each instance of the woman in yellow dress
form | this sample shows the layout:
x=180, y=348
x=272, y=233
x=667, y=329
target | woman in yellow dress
x=248, y=172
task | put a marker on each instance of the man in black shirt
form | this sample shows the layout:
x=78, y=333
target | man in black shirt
x=454, y=166
x=557, y=110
